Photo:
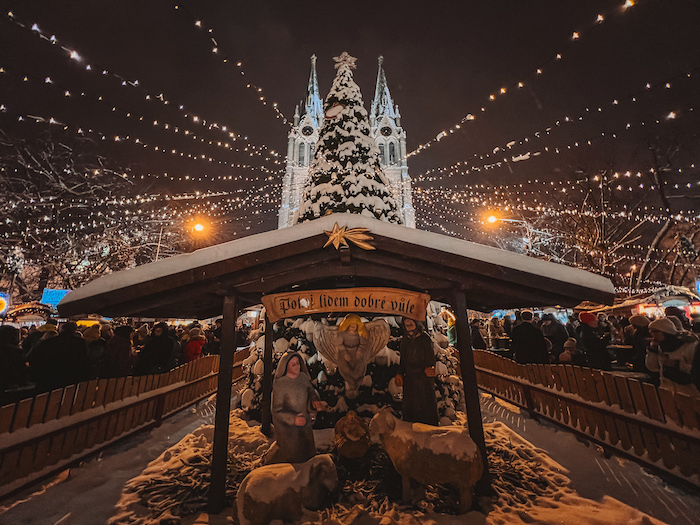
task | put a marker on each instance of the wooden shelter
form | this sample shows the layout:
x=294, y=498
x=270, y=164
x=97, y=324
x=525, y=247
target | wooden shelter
x=333, y=252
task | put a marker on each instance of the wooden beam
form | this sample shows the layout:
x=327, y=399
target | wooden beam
x=267, y=380
x=219, y=460
x=471, y=390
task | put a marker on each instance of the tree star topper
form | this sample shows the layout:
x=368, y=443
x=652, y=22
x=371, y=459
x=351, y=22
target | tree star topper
x=343, y=59
x=340, y=236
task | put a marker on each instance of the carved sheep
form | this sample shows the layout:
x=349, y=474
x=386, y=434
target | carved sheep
x=430, y=455
x=279, y=491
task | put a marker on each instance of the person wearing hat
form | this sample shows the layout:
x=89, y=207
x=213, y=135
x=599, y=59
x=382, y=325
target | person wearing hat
x=61, y=360
x=671, y=353
x=594, y=342
x=679, y=314
x=572, y=355
x=34, y=337
x=193, y=348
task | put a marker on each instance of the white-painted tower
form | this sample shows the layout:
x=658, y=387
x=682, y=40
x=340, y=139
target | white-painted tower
x=385, y=126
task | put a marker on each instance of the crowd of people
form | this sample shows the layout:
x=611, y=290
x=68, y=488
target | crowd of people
x=41, y=358
x=665, y=349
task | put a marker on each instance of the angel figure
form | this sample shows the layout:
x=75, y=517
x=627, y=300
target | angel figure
x=350, y=346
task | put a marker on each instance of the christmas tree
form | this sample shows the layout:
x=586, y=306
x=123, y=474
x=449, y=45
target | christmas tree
x=345, y=175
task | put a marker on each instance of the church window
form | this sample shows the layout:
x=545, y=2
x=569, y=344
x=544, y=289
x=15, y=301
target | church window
x=382, y=157
x=302, y=154
x=392, y=153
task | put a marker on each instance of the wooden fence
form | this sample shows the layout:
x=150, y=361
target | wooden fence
x=41, y=435
x=653, y=426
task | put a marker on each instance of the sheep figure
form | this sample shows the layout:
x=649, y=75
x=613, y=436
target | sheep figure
x=279, y=491
x=429, y=454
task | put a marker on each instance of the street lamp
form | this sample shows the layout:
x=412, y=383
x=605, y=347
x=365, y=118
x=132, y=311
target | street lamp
x=528, y=228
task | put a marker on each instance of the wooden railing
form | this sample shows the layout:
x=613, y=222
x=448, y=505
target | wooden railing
x=41, y=435
x=650, y=425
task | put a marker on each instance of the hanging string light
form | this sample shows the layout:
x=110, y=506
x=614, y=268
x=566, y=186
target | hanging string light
x=257, y=91
x=664, y=117
x=575, y=38
x=160, y=98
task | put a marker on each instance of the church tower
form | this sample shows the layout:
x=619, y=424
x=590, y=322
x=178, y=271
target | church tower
x=385, y=128
x=308, y=119
x=385, y=123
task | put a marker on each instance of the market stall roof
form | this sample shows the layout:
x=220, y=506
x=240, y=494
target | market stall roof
x=193, y=285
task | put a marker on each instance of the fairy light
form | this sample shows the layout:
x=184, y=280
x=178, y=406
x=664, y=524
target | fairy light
x=248, y=149
x=164, y=100
x=576, y=37
x=238, y=64
x=540, y=134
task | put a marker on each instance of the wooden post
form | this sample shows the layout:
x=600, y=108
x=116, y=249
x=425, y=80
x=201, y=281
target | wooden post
x=267, y=381
x=219, y=460
x=471, y=390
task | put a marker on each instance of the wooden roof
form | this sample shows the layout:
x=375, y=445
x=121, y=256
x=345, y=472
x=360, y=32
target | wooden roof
x=193, y=285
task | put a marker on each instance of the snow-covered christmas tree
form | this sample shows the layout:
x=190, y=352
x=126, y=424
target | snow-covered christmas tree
x=346, y=175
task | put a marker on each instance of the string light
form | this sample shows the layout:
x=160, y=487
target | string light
x=148, y=95
x=576, y=37
x=540, y=134
x=137, y=141
x=255, y=88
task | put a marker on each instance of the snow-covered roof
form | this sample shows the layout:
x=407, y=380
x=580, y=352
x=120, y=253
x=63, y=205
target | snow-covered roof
x=194, y=284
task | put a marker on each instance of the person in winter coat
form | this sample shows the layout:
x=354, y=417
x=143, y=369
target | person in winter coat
x=594, y=342
x=193, y=348
x=120, y=353
x=527, y=342
x=571, y=355
x=33, y=338
x=13, y=372
x=61, y=360
x=671, y=353
x=141, y=336
x=294, y=400
x=679, y=314
x=417, y=375
x=97, y=351
x=553, y=330
x=478, y=342
x=639, y=341
x=156, y=354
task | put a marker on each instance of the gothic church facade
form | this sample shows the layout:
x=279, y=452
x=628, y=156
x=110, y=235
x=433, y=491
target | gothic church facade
x=385, y=128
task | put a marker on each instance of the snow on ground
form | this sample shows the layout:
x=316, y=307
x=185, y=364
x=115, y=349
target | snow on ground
x=87, y=494
x=540, y=475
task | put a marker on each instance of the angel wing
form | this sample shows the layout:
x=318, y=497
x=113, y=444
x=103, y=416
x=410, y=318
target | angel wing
x=327, y=341
x=378, y=333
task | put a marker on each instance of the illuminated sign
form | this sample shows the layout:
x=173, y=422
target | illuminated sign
x=53, y=296
x=4, y=303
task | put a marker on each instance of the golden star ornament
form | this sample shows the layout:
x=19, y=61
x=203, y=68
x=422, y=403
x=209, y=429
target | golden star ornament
x=340, y=236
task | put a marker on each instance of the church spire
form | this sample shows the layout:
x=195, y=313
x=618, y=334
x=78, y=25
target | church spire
x=382, y=103
x=313, y=105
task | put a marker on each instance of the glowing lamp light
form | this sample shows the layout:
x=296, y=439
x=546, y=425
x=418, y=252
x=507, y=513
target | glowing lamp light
x=628, y=3
x=492, y=219
x=74, y=55
x=198, y=227
x=4, y=303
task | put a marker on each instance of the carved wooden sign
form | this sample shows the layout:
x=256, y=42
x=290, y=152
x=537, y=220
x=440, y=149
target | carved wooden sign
x=387, y=301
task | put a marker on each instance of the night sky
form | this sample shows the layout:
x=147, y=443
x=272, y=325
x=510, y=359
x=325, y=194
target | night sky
x=442, y=61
